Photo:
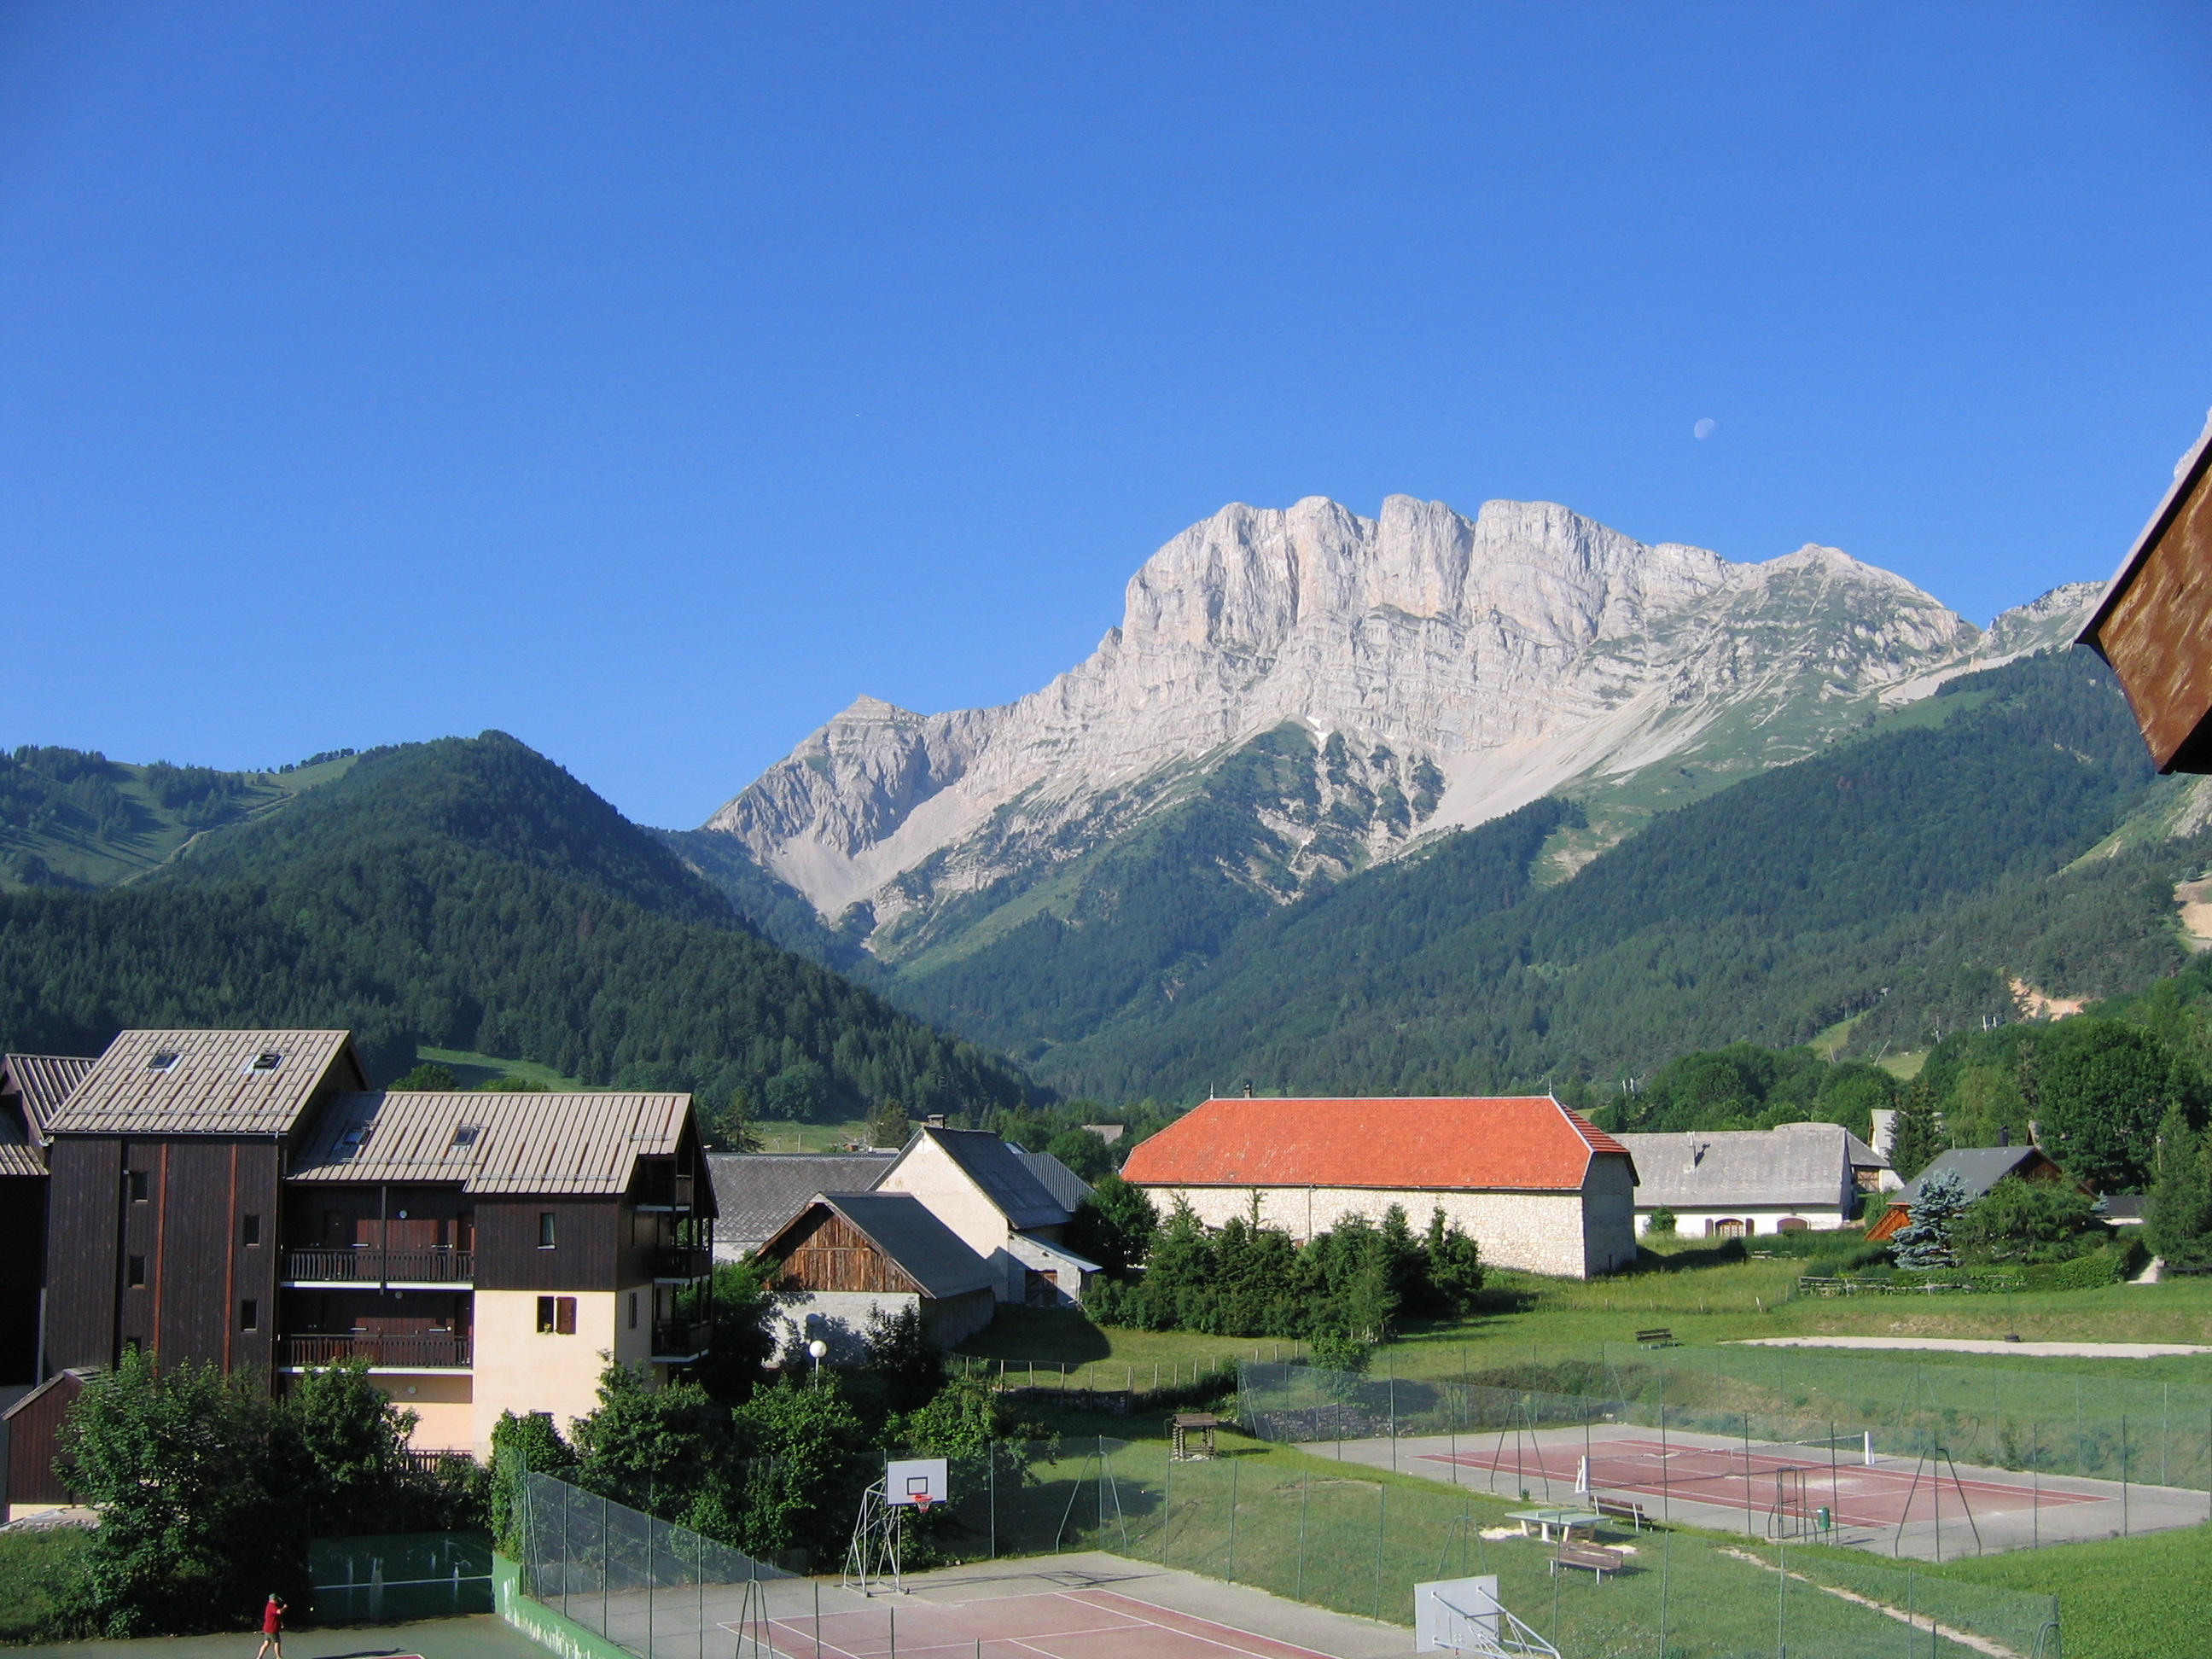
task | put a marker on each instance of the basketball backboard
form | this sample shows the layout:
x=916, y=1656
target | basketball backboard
x=914, y=1480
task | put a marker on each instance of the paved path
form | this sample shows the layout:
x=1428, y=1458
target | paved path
x=1980, y=1345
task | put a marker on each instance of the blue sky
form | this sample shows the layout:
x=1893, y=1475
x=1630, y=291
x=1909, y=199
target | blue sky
x=648, y=381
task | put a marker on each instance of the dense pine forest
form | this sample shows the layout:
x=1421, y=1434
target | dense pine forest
x=469, y=893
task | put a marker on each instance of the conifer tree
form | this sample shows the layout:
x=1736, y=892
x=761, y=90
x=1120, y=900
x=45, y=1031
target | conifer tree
x=1918, y=1137
x=1924, y=1242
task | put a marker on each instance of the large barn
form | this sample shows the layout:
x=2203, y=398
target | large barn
x=1536, y=1185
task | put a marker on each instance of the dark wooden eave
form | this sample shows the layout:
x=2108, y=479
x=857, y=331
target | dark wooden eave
x=2155, y=623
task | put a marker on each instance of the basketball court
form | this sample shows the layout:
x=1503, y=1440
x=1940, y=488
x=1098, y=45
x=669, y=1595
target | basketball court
x=1090, y=1606
x=1837, y=1491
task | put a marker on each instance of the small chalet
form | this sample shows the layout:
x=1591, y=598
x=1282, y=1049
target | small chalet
x=1536, y=1185
x=847, y=1257
x=1733, y=1183
x=1978, y=1169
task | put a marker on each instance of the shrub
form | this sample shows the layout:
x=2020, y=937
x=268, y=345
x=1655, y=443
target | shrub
x=2026, y=1221
x=1661, y=1220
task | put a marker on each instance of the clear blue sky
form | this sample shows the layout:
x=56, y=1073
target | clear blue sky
x=649, y=380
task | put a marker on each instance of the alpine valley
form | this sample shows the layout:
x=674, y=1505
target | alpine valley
x=1419, y=803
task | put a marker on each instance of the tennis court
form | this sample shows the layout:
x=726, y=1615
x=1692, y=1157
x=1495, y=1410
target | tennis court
x=1070, y=1624
x=1782, y=1483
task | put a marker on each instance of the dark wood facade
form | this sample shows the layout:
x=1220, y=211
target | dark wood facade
x=22, y=1274
x=2152, y=625
x=826, y=1252
x=34, y=1422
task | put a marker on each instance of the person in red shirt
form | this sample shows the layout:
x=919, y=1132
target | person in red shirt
x=272, y=1628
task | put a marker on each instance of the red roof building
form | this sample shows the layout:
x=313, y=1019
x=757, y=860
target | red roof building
x=1538, y=1187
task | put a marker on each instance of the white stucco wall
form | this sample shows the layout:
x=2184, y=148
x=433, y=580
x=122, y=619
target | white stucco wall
x=1537, y=1232
x=521, y=1369
x=929, y=1172
x=1764, y=1219
x=443, y=1404
x=840, y=1318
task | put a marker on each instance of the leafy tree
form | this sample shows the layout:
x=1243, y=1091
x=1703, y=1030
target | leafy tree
x=909, y=1367
x=338, y=1456
x=804, y=1465
x=519, y=1445
x=2103, y=1087
x=1084, y=1150
x=1918, y=1137
x=1924, y=1241
x=887, y=1124
x=652, y=1449
x=191, y=1535
x=2021, y=1220
x=2178, y=1223
x=1113, y=1226
x=739, y=1301
x=430, y=1075
x=799, y=1092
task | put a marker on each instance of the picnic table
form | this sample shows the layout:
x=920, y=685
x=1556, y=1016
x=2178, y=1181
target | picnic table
x=1565, y=1520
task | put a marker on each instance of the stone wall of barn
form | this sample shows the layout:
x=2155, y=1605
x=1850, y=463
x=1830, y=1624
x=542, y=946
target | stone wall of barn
x=1536, y=1232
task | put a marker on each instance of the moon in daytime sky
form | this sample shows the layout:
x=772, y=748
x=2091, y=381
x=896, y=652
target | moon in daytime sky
x=1704, y=428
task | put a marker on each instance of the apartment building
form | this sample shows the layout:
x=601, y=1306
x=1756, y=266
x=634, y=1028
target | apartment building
x=243, y=1197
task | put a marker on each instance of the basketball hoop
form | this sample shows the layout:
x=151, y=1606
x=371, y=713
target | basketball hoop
x=921, y=1502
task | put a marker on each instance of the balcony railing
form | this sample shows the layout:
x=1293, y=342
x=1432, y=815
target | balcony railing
x=679, y=1340
x=408, y=1350
x=682, y=1262
x=663, y=1189
x=370, y=1266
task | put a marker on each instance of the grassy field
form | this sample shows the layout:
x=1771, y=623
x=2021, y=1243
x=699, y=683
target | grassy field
x=31, y=1566
x=2121, y=1599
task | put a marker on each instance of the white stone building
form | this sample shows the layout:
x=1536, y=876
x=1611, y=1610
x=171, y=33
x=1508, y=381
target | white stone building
x=993, y=1199
x=1732, y=1183
x=1536, y=1185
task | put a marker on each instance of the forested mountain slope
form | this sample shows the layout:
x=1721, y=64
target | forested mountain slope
x=1907, y=876
x=470, y=893
x=72, y=818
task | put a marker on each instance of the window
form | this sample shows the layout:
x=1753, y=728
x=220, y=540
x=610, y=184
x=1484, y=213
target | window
x=134, y=1272
x=465, y=1134
x=557, y=1315
x=267, y=1061
x=633, y=1310
x=138, y=1179
x=163, y=1060
x=545, y=1241
x=249, y=1314
x=249, y=1229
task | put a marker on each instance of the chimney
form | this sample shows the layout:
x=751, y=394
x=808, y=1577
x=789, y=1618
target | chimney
x=934, y=1121
x=2004, y=1135
x=1248, y=1088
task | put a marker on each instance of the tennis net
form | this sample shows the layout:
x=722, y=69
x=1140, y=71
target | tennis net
x=1645, y=1466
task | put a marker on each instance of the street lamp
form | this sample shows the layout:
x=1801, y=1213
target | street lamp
x=817, y=1347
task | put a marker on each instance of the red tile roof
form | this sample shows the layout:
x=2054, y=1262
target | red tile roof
x=1520, y=1142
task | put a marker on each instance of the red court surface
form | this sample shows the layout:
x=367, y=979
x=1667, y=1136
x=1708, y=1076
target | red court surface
x=1084, y=1624
x=1858, y=1495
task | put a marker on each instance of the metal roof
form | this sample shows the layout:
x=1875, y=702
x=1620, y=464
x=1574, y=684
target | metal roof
x=569, y=1141
x=1068, y=1188
x=1527, y=1143
x=2186, y=471
x=998, y=1171
x=38, y=1083
x=1800, y=1165
x=914, y=1241
x=1979, y=1167
x=207, y=1082
x=757, y=1192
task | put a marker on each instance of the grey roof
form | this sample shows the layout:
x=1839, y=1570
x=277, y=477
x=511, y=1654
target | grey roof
x=1796, y=1164
x=212, y=1087
x=901, y=1225
x=37, y=1084
x=1068, y=1188
x=998, y=1169
x=568, y=1141
x=1979, y=1167
x=758, y=1192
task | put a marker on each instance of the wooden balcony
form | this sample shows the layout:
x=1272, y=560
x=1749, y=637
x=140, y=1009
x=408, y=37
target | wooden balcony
x=675, y=1263
x=679, y=1341
x=370, y=1266
x=425, y=1351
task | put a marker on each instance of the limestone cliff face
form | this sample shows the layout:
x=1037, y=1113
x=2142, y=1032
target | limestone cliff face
x=1461, y=667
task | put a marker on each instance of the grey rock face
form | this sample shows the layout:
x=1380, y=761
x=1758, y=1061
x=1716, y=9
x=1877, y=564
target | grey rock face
x=1522, y=650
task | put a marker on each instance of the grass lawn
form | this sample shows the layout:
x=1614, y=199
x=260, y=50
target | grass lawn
x=33, y=1566
x=2120, y=1599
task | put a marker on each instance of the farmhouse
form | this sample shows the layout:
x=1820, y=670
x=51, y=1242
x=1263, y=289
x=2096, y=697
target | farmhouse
x=1734, y=1182
x=757, y=1192
x=991, y=1196
x=1536, y=1185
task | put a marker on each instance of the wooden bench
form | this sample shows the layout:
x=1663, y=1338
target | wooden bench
x=1659, y=1337
x=1621, y=1509
x=1591, y=1558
